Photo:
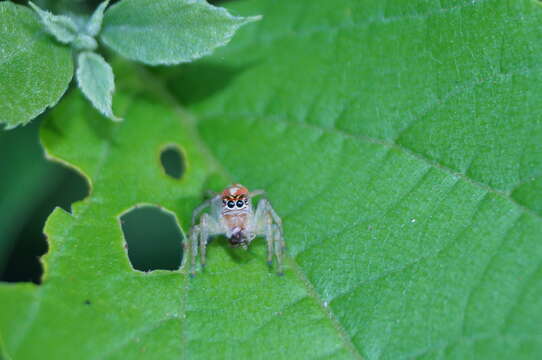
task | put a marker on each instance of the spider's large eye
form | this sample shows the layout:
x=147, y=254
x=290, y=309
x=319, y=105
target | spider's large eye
x=240, y=203
x=231, y=204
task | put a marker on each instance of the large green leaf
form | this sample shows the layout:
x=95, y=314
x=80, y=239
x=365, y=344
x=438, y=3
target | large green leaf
x=399, y=141
x=402, y=143
x=34, y=70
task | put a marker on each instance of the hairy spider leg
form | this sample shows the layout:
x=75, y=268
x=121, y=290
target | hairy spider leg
x=193, y=240
x=268, y=224
x=279, y=247
x=255, y=193
x=207, y=227
x=200, y=208
x=262, y=226
x=186, y=251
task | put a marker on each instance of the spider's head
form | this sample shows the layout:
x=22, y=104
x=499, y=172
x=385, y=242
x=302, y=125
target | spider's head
x=234, y=198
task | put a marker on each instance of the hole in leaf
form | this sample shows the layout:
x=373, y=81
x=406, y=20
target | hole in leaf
x=30, y=244
x=35, y=187
x=153, y=239
x=172, y=161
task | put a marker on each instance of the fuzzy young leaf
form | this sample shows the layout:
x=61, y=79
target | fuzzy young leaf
x=34, y=69
x=84, y=42
x=95, y=23
x=168, y=31
x=61, y=27
x=96, y=80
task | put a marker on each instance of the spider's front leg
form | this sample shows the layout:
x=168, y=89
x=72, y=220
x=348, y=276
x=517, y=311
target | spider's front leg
x=269, y=224
x=202, y=207
x=199, y=236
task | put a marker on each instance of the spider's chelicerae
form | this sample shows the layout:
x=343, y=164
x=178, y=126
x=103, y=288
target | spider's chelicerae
x=232, y=215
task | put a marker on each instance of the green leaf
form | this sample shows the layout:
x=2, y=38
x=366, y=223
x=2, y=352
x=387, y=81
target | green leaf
x=61, y=27
x=401, y=143
x=168, y=31
x=3, y=353
x=34, y=70
x=398, y=141
x=95, y=23
x=85, y=42
x=96, y=80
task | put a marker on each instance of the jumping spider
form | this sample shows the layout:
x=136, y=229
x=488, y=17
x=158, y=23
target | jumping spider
x=232, y=215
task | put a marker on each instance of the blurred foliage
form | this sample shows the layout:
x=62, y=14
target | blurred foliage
x=30, y=187
x=78, y=7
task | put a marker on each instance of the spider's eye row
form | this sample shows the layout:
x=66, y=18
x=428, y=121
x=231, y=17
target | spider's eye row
x=240, y=203
x=231, y=204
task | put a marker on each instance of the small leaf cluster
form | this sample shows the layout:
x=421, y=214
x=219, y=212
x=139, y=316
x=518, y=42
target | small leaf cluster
x=94, y=75
x=151, y=32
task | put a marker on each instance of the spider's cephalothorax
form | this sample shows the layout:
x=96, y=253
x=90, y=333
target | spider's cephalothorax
x=232, y=215
x=235, y=212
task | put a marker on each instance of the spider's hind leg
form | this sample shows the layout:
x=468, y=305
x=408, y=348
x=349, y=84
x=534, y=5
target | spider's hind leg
x=207, y=226
x=199, y=238
x=278, y=242
x=269, y=224
x=269, y=238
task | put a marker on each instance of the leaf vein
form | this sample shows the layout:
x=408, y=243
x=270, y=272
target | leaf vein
x=393, y=145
